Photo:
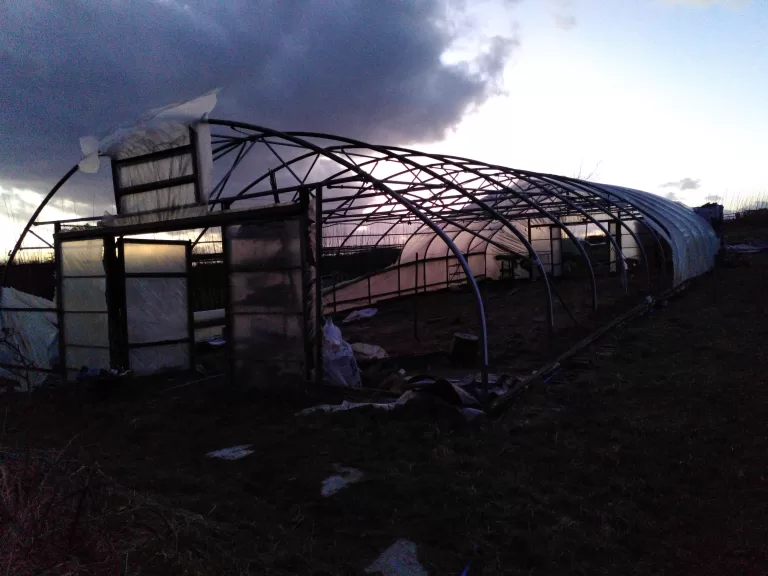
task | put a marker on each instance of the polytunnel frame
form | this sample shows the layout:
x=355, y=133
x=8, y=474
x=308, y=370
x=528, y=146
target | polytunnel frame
x=585, y=191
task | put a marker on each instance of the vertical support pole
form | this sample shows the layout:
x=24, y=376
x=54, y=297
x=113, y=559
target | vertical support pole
x=196, y=167
x=318, y=285
x=229, y=332
x=447, y=274
x=424, y=273
x=552, y=250
x=190, y=306
x=59, y=300
x=306, y=278
x=113, y=301
x=273, y=185
x=369, y=290
x=530, y=273
x=333, y=282
x=399, y=265
x=416, y=298
x=125, y=352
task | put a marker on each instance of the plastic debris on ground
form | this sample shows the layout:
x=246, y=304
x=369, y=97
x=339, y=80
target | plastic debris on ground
x=471, y=413
x=465, y=394
x=86, y=374
x=232, y=453
x=400, y=559
x=750, y=248
x=346, y=405
x=339, y=359
x=345, y=477
x=360, y=315
x=368, y=351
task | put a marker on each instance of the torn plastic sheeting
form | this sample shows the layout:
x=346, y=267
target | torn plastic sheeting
x=360, y=315
x=346, y=405
x=29, y=336
x=400, y=559
x=232, y=453
x=338, y=359
x=748, y=248
x=369, y=351
x=345, y=476
x=160, y=129
x=447, y=391
x=188, y=112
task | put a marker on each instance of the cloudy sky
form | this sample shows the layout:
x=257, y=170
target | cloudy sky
x=662, y=95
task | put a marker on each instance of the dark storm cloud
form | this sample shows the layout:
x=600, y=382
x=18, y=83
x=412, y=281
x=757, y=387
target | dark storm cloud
x=366, y=69
x=683, y=184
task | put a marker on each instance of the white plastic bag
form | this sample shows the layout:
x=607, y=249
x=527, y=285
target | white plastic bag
x=338, y=359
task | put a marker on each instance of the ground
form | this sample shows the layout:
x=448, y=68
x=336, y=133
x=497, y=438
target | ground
x=645, y=457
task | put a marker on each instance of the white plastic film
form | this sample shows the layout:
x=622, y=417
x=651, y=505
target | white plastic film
x=155, y=258
x=152, y=359
x=163, y=198
x=91, y=358
x=86, y=329
x=265, y=245
x=267, y=291
x=148, y=172
x=156, y=309
x=84, y=294
x=29, y=336
x=82, y=258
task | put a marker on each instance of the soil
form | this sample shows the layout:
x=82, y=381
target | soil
x=645, y=456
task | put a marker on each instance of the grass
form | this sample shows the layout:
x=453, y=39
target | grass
x=646, y=456
x=58, y=516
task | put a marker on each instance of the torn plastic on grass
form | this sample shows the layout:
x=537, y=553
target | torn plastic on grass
x=360, y=315
x=232, y=453
x=369, y=351
x=338, y=359
x=345, y=476
x=346, y=405
x=400, y=559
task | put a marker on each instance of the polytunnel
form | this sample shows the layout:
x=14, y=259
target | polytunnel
x=273, y=207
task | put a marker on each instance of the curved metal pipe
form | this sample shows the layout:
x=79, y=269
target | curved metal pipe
x=615, y=218
x=32, y=219
x=405, y=202
x=532, y=253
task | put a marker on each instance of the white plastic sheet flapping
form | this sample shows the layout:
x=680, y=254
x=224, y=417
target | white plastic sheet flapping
x=160, y=129
x=27, y=336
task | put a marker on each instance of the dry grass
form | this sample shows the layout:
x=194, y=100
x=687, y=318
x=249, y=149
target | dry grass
x=61, y=518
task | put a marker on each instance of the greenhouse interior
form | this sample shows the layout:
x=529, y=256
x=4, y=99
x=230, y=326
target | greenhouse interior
x=250, y=240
